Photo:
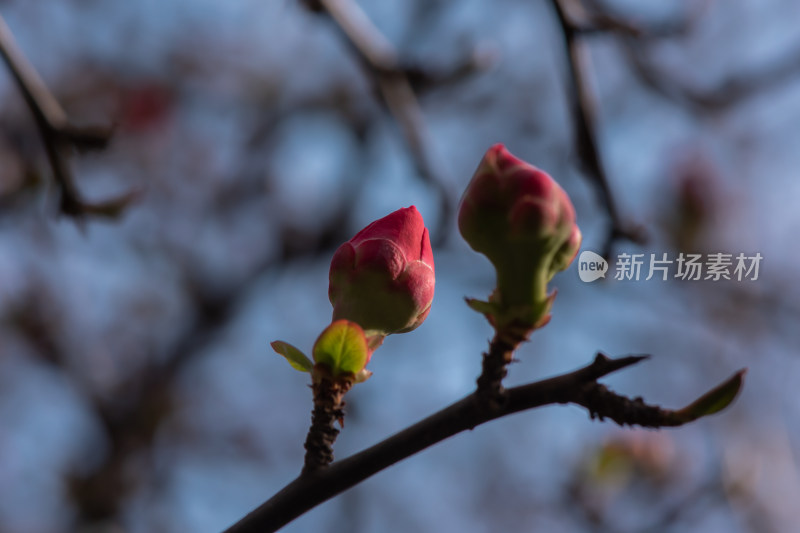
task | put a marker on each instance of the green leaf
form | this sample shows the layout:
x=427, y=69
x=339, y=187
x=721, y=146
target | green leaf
x=296, y=358
x=342, y=347
x=714, y=400
x=485, y=308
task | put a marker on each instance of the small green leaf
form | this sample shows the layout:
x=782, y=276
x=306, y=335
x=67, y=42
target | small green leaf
x=485, y=308
x=714, y=400
x=342, y=347
x=296, y=358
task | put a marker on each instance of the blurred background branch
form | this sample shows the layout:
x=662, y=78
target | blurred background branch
x=137, y=391
x=394, y=85
x=582, y=107
x=59, y=136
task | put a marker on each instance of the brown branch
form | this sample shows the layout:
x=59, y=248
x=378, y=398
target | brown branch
x=425, y=76
x=131, y=415
x=597, y=18
x=328, y=408
x=583, y=115
x=579, y=387
x=396, y=93
x=493, y=371
x=58, y=135
x=727, y=93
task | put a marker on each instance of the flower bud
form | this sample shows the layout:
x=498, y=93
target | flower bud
x=519, y=217
x=383, y=278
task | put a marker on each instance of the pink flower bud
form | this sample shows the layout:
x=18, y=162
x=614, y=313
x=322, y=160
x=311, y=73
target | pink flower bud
x=383, y=278
x=521, y=219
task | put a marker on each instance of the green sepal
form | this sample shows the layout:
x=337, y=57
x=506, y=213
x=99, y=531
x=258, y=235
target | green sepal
x=484, y=308
x=296, y=358
x=513, y=324
x=342, y=348
x=714, y=400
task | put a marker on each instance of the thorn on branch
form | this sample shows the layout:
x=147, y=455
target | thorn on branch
x=604, y=365
x=603, y=403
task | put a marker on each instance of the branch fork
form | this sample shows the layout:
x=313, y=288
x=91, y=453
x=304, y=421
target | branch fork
x=59, y=136
x=579, y=387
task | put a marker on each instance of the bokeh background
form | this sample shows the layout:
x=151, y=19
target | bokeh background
x=138, y=392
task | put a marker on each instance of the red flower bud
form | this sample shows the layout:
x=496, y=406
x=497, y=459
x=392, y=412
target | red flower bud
x=521, y=219
x=383, y=278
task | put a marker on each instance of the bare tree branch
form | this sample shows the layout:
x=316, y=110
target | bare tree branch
x=494, y=370
x=396, y=92
x=59, y=136
x=728, y=93
x=579, y=387
x=583, y=114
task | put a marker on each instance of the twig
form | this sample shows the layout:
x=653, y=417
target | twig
x=729, y=92
x=493, y=371
x=579, y=387
x=424, y=76
x=328, y=408
x=58, y=135
x=396, y=92
x=601, y=19
x=130, y=418
x=583, y=113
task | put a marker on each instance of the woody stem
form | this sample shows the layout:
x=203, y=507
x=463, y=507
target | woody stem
x=328, y=408
x=490, y=382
